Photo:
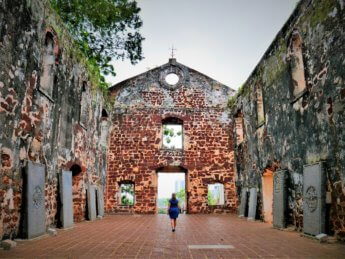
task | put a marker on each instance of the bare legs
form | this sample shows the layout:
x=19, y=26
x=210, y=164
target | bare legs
x=173, y=224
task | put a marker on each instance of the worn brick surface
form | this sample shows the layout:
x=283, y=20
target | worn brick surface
x=149, y=236
x=42, y=112
x=135, y=147
x=303, y=90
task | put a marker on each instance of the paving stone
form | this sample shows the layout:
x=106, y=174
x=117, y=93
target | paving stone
x=150, y=236
x=210, y=247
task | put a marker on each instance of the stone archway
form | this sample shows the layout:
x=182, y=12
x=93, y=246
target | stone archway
x=172, y=170
x=267, y=195
x=79, y=197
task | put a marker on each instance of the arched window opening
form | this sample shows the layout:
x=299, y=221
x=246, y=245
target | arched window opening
x=76, y=170
x=260, y=106
x=104, y=114
x=239, y=125
x=126, y=193
x=48, y=66
x=215, y=194
x=83, y=87
x=297, y=65
x=172, y=133
x=84, y=107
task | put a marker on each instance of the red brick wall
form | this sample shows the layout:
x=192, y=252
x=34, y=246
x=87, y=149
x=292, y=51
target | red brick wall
x=135, y=151
x=41, y=125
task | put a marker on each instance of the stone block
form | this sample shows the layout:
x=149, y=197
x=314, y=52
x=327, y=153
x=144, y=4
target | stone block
x=66, y=212
x=253, y=199
x=51, y=232
x=243, y=205
x=322, y=238
x=100, y=201
x=8, y=244
x=34, y=219
x=91, y=202
x=279, y=198
x=314, y=199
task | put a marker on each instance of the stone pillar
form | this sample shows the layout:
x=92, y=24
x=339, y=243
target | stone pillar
x=253, y=199
x=100, y=201
x=66, y=212
x=91, y=202
x=243, y=205
x=279, y=199
x=34, y=202
x=314, y=199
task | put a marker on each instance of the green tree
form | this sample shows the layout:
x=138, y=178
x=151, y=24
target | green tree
x=127, y=194
x=103, y=29
x=170, y=134
x=181, y=194
x=210, y=199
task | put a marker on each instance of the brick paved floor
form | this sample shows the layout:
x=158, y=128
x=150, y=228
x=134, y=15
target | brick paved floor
x=151, y=237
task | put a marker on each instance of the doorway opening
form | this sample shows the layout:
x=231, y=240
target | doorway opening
x=267, y=193
x=171, y=180
x=79, y=212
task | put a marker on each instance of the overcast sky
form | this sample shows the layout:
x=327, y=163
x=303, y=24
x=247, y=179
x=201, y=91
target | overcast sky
x=223, y=39
x=166, y=183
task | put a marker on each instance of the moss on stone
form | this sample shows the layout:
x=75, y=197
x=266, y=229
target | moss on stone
x=319, y=12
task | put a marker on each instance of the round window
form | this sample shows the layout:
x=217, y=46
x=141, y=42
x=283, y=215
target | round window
x=172, y=79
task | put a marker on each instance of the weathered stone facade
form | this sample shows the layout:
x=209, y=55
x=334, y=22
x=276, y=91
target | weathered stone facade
x=135, y=147
x=44, y=87
x=290, y=112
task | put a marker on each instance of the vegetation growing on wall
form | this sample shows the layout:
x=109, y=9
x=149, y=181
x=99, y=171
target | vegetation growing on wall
x=274, y=63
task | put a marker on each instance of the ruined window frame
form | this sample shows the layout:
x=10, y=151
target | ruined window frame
x=120, y=193
x=104, y=114
x=49, y=36
x=239, y=116
x=172, y=121
x=83, y=95
x=260, y=120
x=208, y=189
x=295, y=36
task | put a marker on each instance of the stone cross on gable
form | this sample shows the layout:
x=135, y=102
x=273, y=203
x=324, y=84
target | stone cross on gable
x=172, y=52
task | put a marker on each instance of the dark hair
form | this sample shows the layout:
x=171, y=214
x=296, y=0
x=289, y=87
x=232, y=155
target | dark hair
x=173, y=196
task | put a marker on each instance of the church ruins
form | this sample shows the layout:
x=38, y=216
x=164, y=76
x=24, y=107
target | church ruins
x=144, y=106
x=276, y=146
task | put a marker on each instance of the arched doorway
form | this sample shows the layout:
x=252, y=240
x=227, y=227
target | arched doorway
x=79, y=198
x=171, y=179
x=267, y=193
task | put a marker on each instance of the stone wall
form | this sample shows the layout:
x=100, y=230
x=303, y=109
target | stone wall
x=291, y=110
x=135, y=149
x=50, y=111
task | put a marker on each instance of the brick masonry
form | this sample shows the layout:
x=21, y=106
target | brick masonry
x=41, y=98
x=135, y=148
x=150, y=236
x=302, y=80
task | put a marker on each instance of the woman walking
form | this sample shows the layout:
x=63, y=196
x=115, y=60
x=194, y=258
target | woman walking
x=173, y=211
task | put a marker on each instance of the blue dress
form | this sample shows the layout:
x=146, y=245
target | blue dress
x=174, y=210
